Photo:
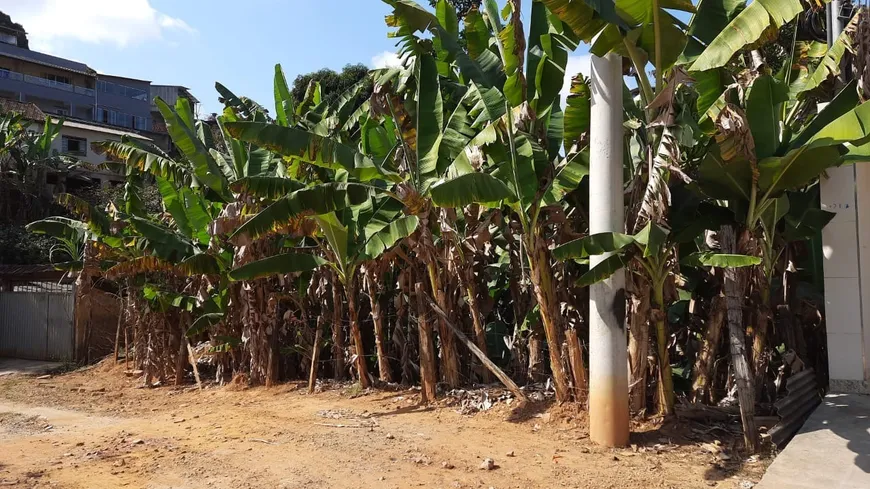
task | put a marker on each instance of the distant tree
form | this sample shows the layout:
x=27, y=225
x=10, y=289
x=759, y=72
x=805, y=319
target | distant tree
x=6, y=21
x=462, y=6
x=332, y=84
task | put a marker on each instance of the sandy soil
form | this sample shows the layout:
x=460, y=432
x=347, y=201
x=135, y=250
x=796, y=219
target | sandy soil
x=98, y=429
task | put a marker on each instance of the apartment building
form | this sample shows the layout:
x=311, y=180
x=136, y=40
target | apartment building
x=95, y=106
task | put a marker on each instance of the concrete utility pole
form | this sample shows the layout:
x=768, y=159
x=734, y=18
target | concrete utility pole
x=608, y=362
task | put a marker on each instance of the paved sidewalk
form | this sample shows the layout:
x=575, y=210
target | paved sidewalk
x=10, y=366
x=832, y=450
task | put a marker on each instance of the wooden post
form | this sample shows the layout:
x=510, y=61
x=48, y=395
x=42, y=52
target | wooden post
x=191, y=357
x=315, y=355
x=427, y=349
x=510, y=384
x=120, y=321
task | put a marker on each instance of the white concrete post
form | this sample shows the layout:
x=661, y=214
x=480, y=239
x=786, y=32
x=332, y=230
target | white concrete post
x=608, y=358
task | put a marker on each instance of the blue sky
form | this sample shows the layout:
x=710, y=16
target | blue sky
x=197, y=42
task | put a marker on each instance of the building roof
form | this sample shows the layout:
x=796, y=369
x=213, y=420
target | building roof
x=106, y=75
x=28, y=109
x=45, y=59
x=188, y=93
x=91, y=126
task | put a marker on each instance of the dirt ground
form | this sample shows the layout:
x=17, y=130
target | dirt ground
x=99, y=429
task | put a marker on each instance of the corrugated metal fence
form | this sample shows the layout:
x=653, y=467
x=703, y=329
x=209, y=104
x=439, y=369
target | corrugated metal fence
x=37, y=325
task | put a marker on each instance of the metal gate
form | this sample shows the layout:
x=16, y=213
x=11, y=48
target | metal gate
x=37, y=325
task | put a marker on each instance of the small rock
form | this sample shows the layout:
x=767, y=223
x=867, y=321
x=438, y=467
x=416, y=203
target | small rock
x=615, y=458
x=584, y=450
x=179, y=420
x=67, y=455
x=120, y=463
x=43, y=377
x=390, y=436
x=510, y=454
x=746, y=484
x=487, y=464
x=80, y=444
x=138, y=441
x=447, y=465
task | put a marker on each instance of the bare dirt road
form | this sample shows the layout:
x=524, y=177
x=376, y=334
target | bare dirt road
x=96, y=429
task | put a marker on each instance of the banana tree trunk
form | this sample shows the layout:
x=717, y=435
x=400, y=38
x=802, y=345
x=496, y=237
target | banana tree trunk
x=450, y=372
x=734, y=300
x=182, y=348
x=666, y=382
x=479, y=330
x=542, y=282
x=638, y=347
x=356, y=336
x=427, y=348
x=380, y=340
x=578, y=367
x=759, y=341
x=518, y=302
x=701, y=385
x=536, y=353
x=337, y=331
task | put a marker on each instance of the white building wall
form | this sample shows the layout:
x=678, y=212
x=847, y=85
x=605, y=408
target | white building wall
x=846, y=249
x=91, y=157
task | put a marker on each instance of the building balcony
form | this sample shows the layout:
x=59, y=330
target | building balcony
x=35, y=80
x=30, y=88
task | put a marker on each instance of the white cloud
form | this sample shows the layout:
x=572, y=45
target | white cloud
x=385, y=59
x=576, y=64
x=120, y=22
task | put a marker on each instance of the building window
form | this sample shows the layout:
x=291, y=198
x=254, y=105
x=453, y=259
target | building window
x=62, y=112
x=8, y=38
x=122, y=90
x=74, y=146
x=56, y=78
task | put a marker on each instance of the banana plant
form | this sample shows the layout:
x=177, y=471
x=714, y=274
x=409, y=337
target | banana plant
x=654, y=249
x=349, y=237
x=516, y=130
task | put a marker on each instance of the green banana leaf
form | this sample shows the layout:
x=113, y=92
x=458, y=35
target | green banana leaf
x=595, y=244
x=277, y=265
x=603, y=270
x=746, y=28
x=719, y=260
x=471, y=188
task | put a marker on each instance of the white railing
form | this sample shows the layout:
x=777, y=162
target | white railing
x=84, y=91
x=48, y=83
x=35, y=80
